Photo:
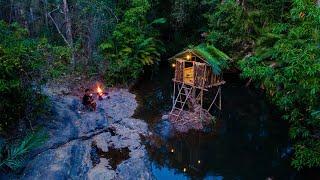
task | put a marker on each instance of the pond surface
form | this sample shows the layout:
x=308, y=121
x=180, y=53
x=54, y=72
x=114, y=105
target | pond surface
x=249, y=140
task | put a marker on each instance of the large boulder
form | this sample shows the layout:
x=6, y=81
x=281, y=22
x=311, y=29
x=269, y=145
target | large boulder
x=77, y=136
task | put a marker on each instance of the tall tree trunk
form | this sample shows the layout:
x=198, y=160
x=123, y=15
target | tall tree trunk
x=69, y=31
x=91, y=34
x=244, y=4
x=46, y=14
x=11, y=9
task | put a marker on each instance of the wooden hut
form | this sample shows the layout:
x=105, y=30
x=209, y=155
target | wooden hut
x=197, y=69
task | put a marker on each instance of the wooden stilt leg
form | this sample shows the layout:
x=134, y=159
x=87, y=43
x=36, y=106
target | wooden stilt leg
x=220, y=98
x=174, y=93
x=201, y=104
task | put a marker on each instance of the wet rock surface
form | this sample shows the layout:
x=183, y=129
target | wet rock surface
x=105, y=144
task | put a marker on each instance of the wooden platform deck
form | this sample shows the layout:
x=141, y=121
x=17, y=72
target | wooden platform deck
x=190, y=120
x=206, y=87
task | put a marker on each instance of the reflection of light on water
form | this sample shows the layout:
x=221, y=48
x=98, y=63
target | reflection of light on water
x=177, y=153
x=213, y=177
x=184, y=169
x=166, y=173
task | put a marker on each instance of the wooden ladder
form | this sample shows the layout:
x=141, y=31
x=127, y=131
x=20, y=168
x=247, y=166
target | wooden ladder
x=179, y=99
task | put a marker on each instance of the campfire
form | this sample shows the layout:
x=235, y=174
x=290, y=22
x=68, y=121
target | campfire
x=100, y=93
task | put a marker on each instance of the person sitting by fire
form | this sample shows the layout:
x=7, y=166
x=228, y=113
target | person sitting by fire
x=88, y=101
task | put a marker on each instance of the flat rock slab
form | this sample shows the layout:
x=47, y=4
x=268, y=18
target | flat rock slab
x=73, y=132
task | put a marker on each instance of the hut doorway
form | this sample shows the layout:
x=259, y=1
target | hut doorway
x=188, y=72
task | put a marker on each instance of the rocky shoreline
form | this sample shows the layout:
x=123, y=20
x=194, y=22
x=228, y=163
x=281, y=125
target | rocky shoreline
x=105, y=144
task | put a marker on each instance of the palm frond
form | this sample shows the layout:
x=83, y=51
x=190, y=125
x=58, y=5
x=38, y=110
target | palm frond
x=216, y=58
x=159, y=21
x=14, y=155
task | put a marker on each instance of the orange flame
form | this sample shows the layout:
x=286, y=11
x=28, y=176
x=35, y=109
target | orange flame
x=99, y=90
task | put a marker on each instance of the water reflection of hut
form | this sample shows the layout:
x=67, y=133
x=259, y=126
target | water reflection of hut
x=197, y=70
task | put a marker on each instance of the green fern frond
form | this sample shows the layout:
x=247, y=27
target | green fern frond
x=14, y=156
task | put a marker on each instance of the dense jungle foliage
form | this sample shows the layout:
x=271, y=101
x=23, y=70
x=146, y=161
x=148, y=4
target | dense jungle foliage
x=133, y=43
x=280, y=52
x=274, y=43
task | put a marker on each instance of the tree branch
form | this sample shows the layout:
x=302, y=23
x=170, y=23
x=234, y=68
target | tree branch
x=111, y=12
x=57, y=27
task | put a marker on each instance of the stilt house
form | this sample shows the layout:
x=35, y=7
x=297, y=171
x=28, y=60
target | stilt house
x=197, y=70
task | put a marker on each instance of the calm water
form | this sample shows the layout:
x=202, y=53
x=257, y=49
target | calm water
x=249, y=140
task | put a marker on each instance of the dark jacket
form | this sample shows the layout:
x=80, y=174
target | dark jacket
x=87, y=100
